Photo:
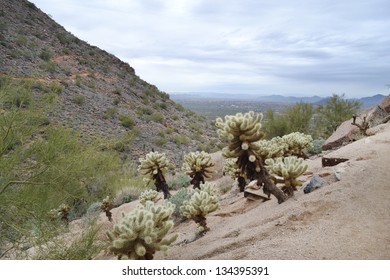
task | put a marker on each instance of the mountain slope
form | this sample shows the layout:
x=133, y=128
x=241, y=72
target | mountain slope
x=99, y=95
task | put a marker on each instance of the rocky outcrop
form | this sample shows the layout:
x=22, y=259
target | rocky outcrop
x=347, y=132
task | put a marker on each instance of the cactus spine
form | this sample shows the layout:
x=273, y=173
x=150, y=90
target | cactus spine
x=154, y=165
x=290, y=168
x=198, y=166
x=202, y=202
x=141, y=232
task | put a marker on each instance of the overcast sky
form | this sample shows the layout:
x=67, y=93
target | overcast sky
x=288, y=47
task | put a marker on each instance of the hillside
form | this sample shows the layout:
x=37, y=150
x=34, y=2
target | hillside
x=99, y=95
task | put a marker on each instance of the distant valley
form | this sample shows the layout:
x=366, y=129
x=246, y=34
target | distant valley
x=213, y=105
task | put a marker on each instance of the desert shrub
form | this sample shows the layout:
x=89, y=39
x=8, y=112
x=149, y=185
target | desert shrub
x=109, y=113
x=45, y=54
x=160, y=141
x=179, y=181
x=178, y=199
x=157, y=117
x=316, y=147
x=144, y=110
x=42, y=167
x=181, y=139
x=79, y=99
x=50, y=66
x=93, y=210
x=127, y=121
x=126, y=195
x=56, y=88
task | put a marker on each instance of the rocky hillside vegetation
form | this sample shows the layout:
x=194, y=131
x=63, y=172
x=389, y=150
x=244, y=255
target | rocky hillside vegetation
x=98, y=95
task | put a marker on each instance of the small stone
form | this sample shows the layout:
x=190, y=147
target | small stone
x=315, y=183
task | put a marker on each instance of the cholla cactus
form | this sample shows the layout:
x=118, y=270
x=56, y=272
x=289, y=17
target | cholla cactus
x=297, y=142
x=202, y=202
x=243, y=133
x=198, y=166
x=61, y=212
x=106, y=206
x=231, y=168
x=276, y=147
x=290, y=168
x=142, y=231
x=148, y=195
x=154, y=165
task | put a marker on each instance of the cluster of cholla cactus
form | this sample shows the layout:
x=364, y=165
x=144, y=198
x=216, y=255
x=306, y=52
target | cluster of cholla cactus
x=106, y=206
x=154, y=165
x=230, y=168
x=296, y=143
x=61, y=212
x=243, y=131
x=289, y=168
x=148, y=195
x=141, y=232
x=293, y=144
x=202, y=202
x=198, y=166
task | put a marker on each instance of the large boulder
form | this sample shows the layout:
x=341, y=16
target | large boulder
x=344, y=134
x=347, y=132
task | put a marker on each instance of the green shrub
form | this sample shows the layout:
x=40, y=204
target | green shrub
x=179, y=181
x=180, y=139
x=45, y=55
x=316, y=147
x=157, y=117
x=127, y=121
x=110, y=113
x=178, y=199
x=79, y=99
x=50, y=66
x=42, y=167
x=160, y=141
